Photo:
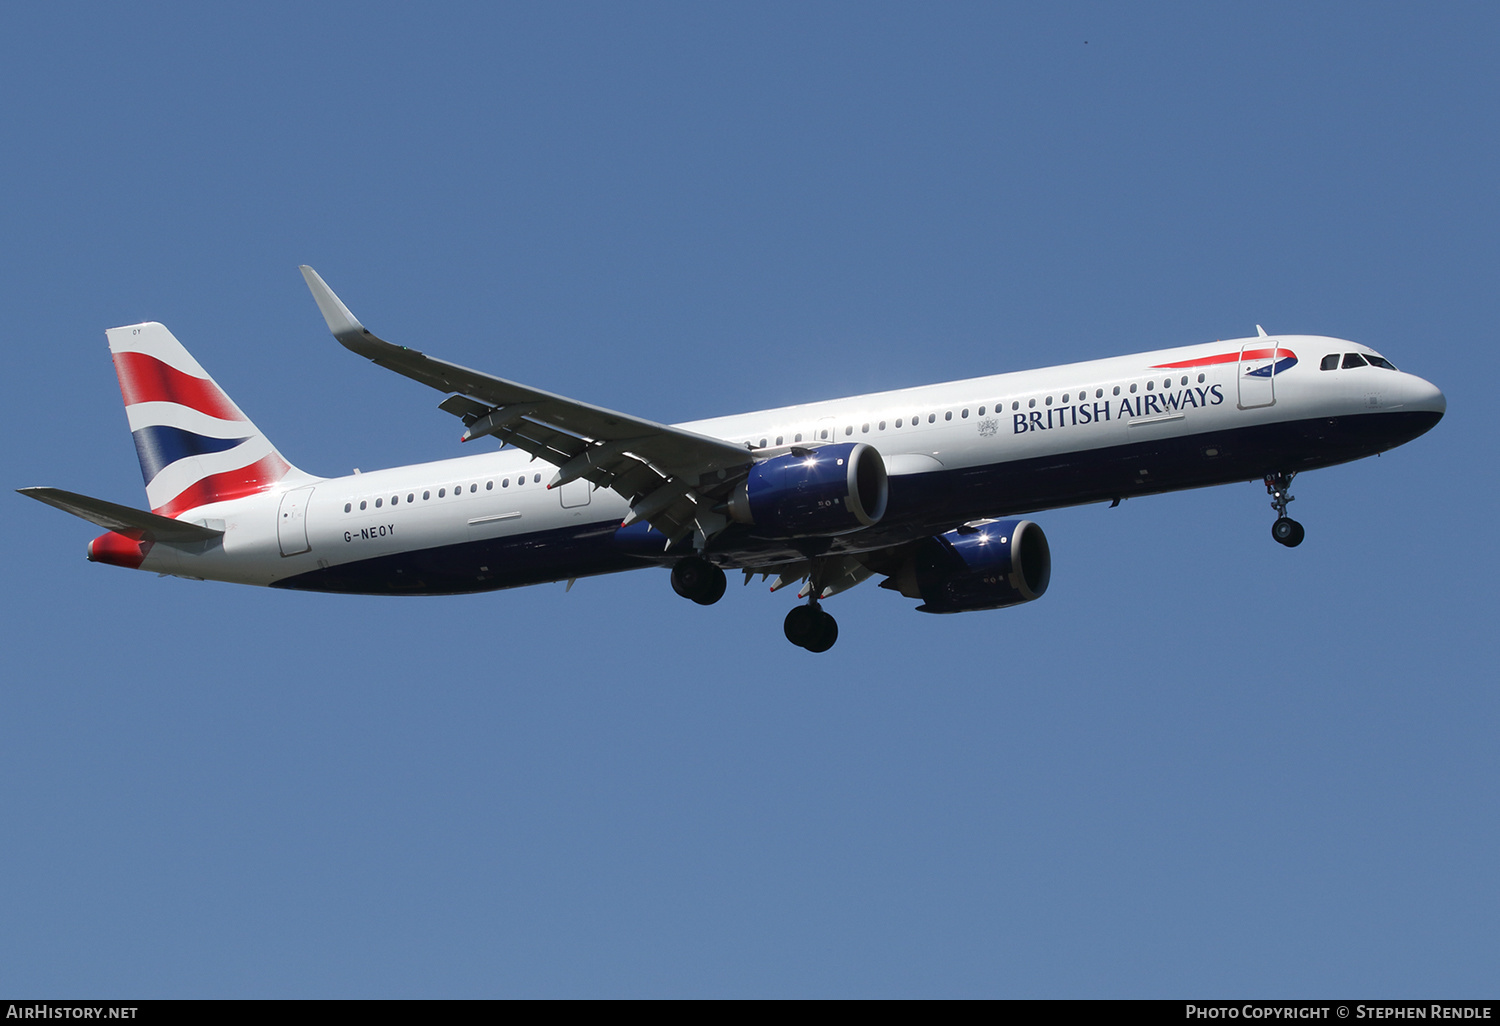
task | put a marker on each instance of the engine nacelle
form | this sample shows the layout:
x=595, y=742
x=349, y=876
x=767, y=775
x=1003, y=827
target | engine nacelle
x=989, y=567
x=831, y=490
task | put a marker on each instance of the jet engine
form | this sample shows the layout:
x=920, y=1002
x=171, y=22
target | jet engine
x=988, y=566
x=834, y=489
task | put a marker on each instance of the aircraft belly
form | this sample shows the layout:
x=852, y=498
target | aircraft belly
x=472, y=565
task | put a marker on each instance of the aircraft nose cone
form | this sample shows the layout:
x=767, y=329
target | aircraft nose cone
x=1424, y=396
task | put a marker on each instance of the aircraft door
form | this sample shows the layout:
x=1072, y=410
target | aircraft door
x=1257, y=374
x=291, y=522
x=576, y=493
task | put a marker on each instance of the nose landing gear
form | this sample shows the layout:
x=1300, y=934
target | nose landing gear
x=1286, y=530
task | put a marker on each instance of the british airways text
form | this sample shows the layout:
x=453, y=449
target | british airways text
x=1150, y=404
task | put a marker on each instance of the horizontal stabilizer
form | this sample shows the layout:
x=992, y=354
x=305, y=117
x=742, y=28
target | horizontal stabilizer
x=114, y=517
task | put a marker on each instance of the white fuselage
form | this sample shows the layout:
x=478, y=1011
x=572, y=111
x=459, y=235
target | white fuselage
x=959, y=431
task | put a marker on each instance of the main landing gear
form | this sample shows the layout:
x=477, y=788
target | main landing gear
x=694, y=577
x=807, y=626
x=812, y=628
x=1286, y=530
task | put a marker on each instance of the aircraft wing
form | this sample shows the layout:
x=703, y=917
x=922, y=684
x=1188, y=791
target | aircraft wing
x=673, y=478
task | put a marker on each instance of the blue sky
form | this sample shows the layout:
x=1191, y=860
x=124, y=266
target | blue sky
x=1202, y=765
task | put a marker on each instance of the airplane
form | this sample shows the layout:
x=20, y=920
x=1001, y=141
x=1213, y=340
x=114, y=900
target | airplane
x=925, y=487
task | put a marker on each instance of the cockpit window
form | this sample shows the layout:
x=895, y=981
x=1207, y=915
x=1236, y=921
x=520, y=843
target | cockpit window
x=1353, y=360
x=1380, y=361
x=1330, y=362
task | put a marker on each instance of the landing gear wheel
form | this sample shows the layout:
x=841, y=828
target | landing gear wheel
x=800, y=625
x=811, y=628
x=827, y=633
x=694, y=577
x=1288, y=532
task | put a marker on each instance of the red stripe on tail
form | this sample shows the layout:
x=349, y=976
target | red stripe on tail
x=232, y=484
x=145, y=379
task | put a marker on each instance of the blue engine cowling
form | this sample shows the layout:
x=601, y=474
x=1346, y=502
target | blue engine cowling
x=994, y=565
x=830, y=490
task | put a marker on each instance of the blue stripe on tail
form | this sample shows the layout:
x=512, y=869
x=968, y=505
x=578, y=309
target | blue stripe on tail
x=159, y=446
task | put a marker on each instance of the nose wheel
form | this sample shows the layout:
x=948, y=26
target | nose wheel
x=811, y=628
x=1286, y=530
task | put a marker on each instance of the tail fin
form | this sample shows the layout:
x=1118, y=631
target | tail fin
x=194, y=443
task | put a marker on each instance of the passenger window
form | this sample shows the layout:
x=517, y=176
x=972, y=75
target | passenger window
x=442, y=492
x=1049, y=400
x=361, y=503
x=964, y=414
x=778, y=439
x=348, y=506
x=898, y=421
x=1031, y=404
x=848, y=430
x=1353, y=360
x=981, y=411
x=1015, y=405
x=948, y=415
x=1117, y=390
x=762, y=443
x=864, y=429
x=473, y=488
x=411, y=497
x=1380, y=361
x=1184, y=379
x=489, y=486
x=882, y=426
x=505, y=483
x=1168, y=383
x=932, y=418
x=377, y=503
x=798, y=438
x=426, y=496
x=520, y=480
x=1149, y=386
x=536, y=478
x=1201, y=379
x=1132, y=388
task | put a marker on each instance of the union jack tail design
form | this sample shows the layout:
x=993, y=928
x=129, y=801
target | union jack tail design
x=194, y=443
